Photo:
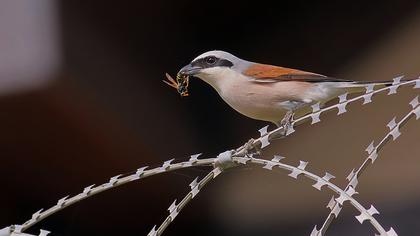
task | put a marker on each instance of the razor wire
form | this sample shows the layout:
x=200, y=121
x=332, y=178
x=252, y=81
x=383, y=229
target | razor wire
x=113, y=182
x=365, y=214
x=174, y=209
x=373, y=151
x=240, y=155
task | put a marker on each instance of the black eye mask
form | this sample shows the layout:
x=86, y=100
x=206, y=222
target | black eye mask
x=203, y=63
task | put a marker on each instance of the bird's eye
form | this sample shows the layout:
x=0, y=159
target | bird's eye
x=211, y=60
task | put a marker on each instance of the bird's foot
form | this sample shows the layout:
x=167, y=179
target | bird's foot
x=286, y=122
x=252, y=149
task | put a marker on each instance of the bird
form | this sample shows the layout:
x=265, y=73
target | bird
x=266, y=92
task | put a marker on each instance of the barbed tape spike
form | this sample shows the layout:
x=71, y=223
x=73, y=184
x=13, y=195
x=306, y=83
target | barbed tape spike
x=417, y=85
x=392, y=123
x=139, y=173
x=343, y=97
x=363, y=216
x=44, y=232
x=62, y=201
x=298, y=170
x=270, y=165
x=351, y=174
x=315, y=231
x=415, y=102
x=393, y=127
x=112, y=181
x=264, y=137
x=194, y=187
x=334, y=206
x=263, y=130
x=341, y=108
x=397, y=80
x=341, y=199
x=290, y=130
x=194, y=183
x=336, y=210
x=167, y=164
x=152, y=232
x=316, y=107
x=321, y=182
x=302, y=165
x=370, y=148
x=417, y=112
x=87, y=190
x=367, y=98
x=315, y=117
x=369, y=88
x=173, y=210
x=36, y=215
x=351, y=191
x=194, y=158
x=372, y=210
x=264, y=142
x=373, y=156
x=395, y=133
x=331, y=203
x=277, y=158
x=345, y=197
x=395, y=84
x=352, y=178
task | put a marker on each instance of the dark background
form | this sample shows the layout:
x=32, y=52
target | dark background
x=104, y=111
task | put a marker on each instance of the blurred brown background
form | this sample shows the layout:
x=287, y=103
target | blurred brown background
x=81, y=100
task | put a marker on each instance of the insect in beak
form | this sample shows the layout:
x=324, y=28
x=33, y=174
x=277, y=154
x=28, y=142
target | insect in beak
x=180, y=84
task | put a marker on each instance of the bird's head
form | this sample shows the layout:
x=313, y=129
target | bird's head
x=215, y=67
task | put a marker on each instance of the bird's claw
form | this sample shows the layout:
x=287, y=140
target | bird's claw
x=287, y=122
x=251, y=149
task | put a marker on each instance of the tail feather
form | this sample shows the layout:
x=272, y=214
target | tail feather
x=360, y=86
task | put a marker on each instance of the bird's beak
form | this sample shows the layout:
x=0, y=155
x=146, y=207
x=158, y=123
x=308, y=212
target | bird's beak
x=189, y=70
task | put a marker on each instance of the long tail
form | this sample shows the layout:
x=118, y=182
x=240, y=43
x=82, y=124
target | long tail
x=360, y=86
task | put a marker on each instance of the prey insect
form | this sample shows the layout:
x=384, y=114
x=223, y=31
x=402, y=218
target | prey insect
x=180, y=84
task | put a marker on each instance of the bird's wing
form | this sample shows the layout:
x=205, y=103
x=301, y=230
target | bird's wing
x=272, y=74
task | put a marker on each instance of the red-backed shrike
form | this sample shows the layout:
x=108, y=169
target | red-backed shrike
x=266, y=92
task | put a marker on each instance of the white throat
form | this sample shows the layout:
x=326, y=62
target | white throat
x=220, y=78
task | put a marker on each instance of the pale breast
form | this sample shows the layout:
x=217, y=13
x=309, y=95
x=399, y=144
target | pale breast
x=261, y=101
